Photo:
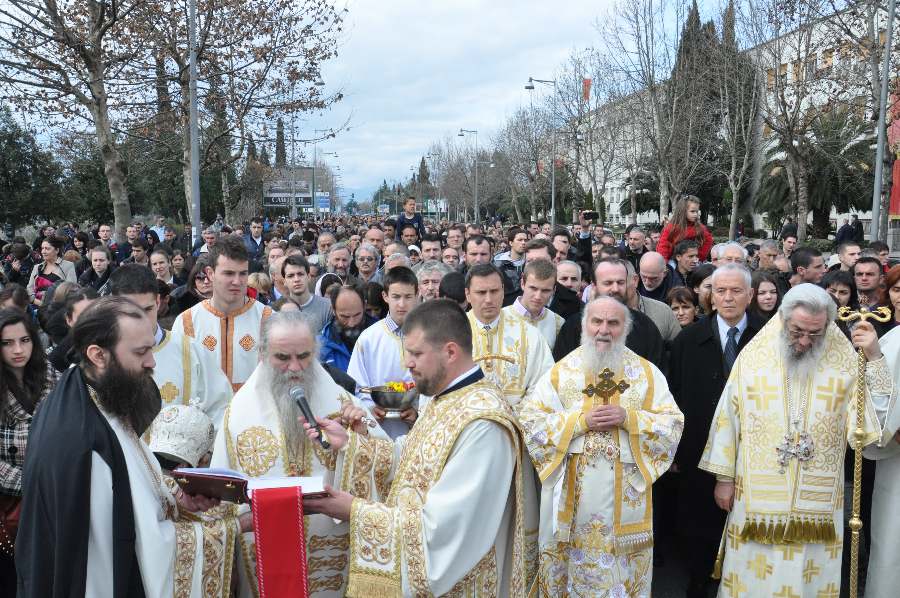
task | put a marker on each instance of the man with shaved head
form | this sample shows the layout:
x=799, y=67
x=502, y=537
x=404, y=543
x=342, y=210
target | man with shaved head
x=656, y=276
x=600, y=429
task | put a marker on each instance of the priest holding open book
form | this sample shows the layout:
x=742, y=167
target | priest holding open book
x=439, y=511
x=98, y=518
x=262, y=439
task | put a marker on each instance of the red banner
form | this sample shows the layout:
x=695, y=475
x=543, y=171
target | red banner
x=540, y=169
x=559, y=162
x=586, y=89
x=280, y=542
x=893, y=145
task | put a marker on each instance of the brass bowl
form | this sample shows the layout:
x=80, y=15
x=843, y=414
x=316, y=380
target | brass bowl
x=392, y=401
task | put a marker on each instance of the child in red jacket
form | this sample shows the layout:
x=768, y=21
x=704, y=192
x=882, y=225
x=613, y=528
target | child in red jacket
x=685, y=225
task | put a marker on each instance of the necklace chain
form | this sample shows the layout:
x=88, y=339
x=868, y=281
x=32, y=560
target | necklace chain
x=797, y=443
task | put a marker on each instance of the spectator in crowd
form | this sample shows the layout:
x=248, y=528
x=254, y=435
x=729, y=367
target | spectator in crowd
x=512, y=261
x=15, y=295
x=568, y=274
x=657, y=277
x=715, y=342
x=766, y=296
x=656, y=310
x=807, y=265
x=210, y=235
x=858, y=233
x=285, y=304
x=376, y=306
x=476, y=250
x=869, y=277
x=46, y=231
x=262, y=284
x=52, y=270
x=198, y=288
x=844, y=234
x=367, y=260
x=450, y=256
x=788, y=230
x=634, y=247
x=415, y=255
x=326, y=282
x=733, y=253
x=739, y=228
x=19, y=264
x=539, y=281
x=788, y=243
x=685, y=225
x=686, y=258
x=295, y=272
x=162, y=267
x=848, y=254
x=684, y=304
x=430, y=276
x=24, y=382
x=890, y=298
x=700, y=281
x=768, y=252
x=338, y=337
x=102, y=266
x=453, y=286
x=882, y=252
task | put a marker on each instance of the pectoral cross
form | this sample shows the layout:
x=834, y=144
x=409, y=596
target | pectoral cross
x=169, y=391
x=607, y=387
x=882, y=314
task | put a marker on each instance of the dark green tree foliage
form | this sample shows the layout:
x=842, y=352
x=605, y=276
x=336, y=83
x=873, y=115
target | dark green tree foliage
x=29, y=176
x=280, y=150
x=841, y=171
x=251, y=149
x=264, y=156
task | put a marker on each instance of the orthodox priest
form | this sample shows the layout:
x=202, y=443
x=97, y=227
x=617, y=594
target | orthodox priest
x=514, y=355
x=451, y=522
x=261, y=437
x=98, y=517
x=601, y=427
x=777, y=446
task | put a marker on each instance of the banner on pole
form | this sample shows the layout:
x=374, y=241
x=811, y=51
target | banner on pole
x=278, y=184
x=540, y=169
x=586, y=89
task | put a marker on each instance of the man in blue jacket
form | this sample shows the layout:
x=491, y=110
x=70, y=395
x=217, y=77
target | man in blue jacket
x=339, y=335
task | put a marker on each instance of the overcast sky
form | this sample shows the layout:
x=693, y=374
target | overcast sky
x=414, y=71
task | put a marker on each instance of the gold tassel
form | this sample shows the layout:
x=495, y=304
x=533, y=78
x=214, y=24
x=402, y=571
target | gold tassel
x=720, y=558
x=820, y=530
x=807, y=530
x=364, y=586
x=779, y=532
x=749, y=533
x=717, y=569
x=770, y=538
x=791, y=530
x=761, y=531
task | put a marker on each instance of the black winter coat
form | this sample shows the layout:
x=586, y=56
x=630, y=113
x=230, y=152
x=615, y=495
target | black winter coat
x=697, y=377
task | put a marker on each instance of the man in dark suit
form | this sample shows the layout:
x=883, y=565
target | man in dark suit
x=858, y=233
x=713, y=343
x=610, y=278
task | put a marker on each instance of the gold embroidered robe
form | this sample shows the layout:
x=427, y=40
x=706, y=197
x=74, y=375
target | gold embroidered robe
x=596, y=534
x=451, y=522
x=514, y=355
x=251, y=441
x=548, y=323
x=785, y=533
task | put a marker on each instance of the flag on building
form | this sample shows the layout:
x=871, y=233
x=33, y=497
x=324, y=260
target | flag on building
x=586, y=89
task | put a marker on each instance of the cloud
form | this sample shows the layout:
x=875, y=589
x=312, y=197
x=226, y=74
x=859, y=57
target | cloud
x=417, y=70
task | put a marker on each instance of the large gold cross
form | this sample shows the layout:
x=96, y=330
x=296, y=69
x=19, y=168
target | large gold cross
x=169, y=391
x=607, y=388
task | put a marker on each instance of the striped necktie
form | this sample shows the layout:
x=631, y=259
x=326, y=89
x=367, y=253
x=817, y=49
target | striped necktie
x=731, y=350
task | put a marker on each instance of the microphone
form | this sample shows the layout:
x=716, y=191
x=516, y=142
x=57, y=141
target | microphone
x=298, y=395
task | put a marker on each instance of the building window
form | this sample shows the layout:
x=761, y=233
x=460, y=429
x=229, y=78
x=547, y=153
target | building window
x=767, y=131
x=770, y=79
x=811, y=66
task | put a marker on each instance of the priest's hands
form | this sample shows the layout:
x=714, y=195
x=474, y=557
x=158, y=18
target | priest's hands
x=865, y=338
x=605, y=418
x=335, y=432
x=379, y=414
x=409, y=416
x=193, y=504
x=725, y=495
x=353, y=415
x=246, y=521
x=336, y=505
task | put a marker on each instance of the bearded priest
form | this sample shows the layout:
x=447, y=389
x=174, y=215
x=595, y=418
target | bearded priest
x=449, y=520
x=777, y=446
x=601, y=427
x=261, y=438
x=98, y=516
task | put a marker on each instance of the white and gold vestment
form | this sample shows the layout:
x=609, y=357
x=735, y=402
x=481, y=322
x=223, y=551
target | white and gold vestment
x=183, y=373
x=231, y=339
x=514, y=355
x=785, y=532
x=451, y=518
x=596, y=533
x=251, y=441
x=549, y=323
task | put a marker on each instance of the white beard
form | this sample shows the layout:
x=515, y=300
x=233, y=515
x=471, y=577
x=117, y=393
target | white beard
x=594, y=361
x=800, y=365
x=280, y=385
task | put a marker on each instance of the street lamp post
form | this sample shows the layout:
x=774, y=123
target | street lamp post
x=437, y=205
x=461, y=134
x=530, y=86
x=195, y=135
x=315, y=161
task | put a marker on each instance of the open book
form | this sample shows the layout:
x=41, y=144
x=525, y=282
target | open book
x=229, y=485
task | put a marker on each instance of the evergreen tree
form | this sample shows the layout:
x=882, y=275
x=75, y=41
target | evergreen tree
x=264, y=156
x=251, y=149
x=280, y=151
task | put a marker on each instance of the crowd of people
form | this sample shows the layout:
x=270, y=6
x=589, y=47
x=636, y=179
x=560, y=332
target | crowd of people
x=562, y=372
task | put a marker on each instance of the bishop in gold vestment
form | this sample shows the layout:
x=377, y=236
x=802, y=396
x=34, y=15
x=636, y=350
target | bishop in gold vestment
x=596, y=536
x=778, y=441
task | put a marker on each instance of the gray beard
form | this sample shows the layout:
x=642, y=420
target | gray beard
x=800, y=365
x=280, y=385
x=594, y=361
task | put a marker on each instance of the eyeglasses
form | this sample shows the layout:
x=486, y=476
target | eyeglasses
x=201, y=278
x=798, y=334
x=365, y=259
